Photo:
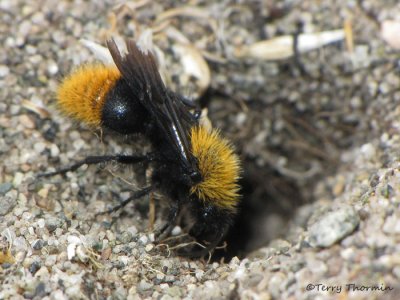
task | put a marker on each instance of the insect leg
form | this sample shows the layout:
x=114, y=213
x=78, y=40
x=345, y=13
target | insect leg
x=192, y=105
x=166, y=229
x=136, y=195
x=92, y=160
x=209, y=248
x=189, y=103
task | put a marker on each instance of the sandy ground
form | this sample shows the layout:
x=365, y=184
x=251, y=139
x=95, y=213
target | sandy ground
x=317, y=133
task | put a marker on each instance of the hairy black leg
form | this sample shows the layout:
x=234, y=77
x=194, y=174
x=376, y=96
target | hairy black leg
x=208, y=247
x=192, y=105
x=136, y=195
x=189, y=103
x=92, y=160
x=166, y=229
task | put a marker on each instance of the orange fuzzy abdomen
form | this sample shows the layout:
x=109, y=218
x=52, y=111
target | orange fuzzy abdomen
x=82, y=94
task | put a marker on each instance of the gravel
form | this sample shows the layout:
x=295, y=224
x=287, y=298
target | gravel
x=318, y=137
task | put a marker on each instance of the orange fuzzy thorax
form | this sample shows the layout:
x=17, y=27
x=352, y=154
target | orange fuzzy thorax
x=82, y=94
x=219, y=167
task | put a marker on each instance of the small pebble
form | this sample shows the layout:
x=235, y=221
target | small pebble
x=7, y=203
x=53, y=223
x=18, y=177
x=4, y=71
x=144, y=285
x=50, y=260
x=177, y=230
x=34, y=267
x=125, y=238
x=143, y=240
x=392, y=225
x=27, y=121
x=38, y=244
x=149, y=247
x=333, y=226
x=40, y=290
x=6, y=265
x=5, y=187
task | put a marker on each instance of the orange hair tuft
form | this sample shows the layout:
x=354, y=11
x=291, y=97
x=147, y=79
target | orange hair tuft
x=219, y=166
x=82, y=94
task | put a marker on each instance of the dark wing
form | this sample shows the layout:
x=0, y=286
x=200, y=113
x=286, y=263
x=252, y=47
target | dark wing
x=140, y=71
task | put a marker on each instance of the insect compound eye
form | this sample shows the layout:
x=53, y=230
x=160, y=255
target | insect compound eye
x=122, y=111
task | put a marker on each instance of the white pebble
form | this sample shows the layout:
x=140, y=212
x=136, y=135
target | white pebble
x=4, y=71
x=52, y=68
x=149, y=247
x=39, y=147
x=54, y=150
x=143, y=239
x=368, y=150
x=41, y=223
x=18, y=177
x=176, y=231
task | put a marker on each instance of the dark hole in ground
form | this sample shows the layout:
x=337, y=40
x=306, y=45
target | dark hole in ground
x=261, y=206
